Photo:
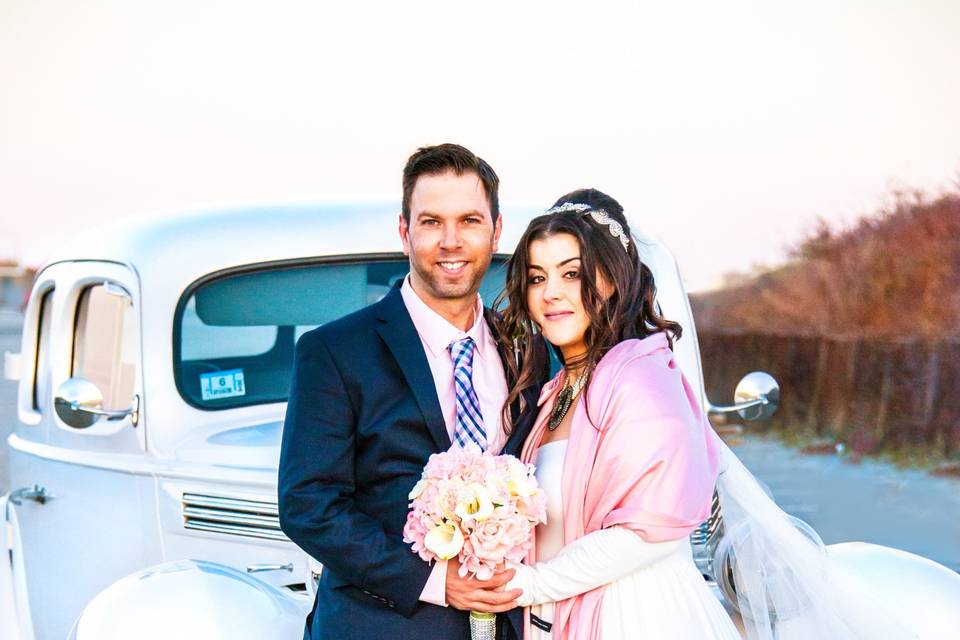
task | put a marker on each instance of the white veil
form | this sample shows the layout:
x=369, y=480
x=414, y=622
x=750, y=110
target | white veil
x=786, y=588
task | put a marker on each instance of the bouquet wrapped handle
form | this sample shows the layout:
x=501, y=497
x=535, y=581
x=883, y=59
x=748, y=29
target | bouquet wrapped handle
x=483, y=626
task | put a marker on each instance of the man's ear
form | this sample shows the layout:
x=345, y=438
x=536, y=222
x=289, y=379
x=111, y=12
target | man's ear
x=404, y=229
x=497, y=228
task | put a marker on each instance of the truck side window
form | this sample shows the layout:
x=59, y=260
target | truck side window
x=41, y=369
x=104, y=343
x=234, y=335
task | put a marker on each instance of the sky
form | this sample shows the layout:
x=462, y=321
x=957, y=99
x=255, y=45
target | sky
x=725, y=129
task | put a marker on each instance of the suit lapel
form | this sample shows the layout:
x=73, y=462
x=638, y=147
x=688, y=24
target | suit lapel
x=401, y=337
x=522, y=426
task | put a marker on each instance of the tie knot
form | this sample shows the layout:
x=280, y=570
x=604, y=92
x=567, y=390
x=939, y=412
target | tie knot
x=461, y=348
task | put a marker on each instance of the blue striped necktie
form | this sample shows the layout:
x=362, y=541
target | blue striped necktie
x=469, y=426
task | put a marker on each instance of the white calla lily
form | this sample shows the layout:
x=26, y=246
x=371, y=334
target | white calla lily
x=417, y=489
x=445, y=540
x=477, y=506
x=520, y=481
x=522, y=485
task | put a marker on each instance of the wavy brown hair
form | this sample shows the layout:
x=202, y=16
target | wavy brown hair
x=630, y=311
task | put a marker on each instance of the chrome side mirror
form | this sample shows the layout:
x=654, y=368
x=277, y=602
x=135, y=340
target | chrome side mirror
x=756, y=397
x=79, y=404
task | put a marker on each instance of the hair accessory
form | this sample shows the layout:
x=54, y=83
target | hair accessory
x=567, y=207
x=599, y=215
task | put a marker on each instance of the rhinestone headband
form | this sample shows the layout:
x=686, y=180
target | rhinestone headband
x=599, y=215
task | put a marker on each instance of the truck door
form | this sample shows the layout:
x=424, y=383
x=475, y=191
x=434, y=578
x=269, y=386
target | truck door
x=80, y=488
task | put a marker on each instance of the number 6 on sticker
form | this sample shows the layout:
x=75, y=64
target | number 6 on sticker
x=222, y=384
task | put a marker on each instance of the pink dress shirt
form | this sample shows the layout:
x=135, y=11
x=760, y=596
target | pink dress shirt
x=489, y=382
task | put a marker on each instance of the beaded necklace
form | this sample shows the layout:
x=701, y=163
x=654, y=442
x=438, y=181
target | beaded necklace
x=565, y=399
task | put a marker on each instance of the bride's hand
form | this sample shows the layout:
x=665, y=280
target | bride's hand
x=488, y=596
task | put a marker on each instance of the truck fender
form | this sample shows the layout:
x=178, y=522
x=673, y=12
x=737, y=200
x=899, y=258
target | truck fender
x=920, y=592
x=191, y=599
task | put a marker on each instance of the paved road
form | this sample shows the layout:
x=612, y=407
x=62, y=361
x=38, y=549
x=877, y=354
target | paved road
x=871, y=501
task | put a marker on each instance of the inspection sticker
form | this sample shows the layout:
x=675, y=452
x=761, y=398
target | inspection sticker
x=222, y=384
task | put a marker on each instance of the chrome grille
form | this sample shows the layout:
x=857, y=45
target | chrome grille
x=705, y=533
x=704, y=538
x=234, y=516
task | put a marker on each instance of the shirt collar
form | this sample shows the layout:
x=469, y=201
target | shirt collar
x=435, y=331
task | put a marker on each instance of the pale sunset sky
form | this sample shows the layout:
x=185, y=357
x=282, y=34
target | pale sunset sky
x=725, y=129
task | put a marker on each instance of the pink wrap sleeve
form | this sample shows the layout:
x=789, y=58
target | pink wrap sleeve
x=641, y=456
x=656, y=457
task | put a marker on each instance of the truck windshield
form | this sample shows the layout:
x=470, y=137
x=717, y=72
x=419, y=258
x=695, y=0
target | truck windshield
x=234, y=335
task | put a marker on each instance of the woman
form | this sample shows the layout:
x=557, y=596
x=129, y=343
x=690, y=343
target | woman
x=629, y=462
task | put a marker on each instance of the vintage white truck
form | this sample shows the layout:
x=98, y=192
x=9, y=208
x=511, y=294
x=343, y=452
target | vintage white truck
x=153, y=377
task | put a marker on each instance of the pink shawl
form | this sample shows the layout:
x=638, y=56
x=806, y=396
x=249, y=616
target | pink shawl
x=648, y=462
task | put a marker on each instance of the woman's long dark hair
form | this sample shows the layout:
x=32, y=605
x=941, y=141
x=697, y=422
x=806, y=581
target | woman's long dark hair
x=630, y=311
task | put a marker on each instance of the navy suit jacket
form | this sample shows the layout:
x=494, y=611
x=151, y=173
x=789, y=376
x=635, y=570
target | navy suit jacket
x=362, y=419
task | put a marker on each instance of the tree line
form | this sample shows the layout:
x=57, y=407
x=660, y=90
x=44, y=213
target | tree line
x=862, y=328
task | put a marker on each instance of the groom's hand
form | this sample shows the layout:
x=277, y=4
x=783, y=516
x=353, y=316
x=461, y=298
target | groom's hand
x=470, y=594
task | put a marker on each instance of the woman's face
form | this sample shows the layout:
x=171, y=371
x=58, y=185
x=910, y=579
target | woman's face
x=553, y=293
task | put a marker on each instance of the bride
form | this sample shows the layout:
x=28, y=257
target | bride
x=629, y=462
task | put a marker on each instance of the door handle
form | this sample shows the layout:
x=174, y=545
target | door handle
x=257, y=568
x=37, y=494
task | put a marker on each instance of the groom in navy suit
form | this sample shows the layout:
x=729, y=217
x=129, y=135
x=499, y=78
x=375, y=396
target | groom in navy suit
x=373, y=395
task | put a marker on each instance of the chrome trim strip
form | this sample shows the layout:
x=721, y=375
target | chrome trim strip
x=233, y=516
x=212, y=515
x=236, y=530
x=233, y=504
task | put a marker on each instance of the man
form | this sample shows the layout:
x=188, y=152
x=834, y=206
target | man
x=373, y=396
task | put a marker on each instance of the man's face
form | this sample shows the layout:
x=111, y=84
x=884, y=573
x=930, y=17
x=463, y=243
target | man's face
x=451, y=237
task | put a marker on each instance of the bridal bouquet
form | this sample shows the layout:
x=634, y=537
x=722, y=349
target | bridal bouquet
x=477, y=507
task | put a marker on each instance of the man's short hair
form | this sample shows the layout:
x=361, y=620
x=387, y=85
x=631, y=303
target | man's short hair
x=449, y=157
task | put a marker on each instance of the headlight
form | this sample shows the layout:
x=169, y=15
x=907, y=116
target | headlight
x=777, y=581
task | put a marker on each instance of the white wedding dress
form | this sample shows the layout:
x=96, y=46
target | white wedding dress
x=653, y=590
